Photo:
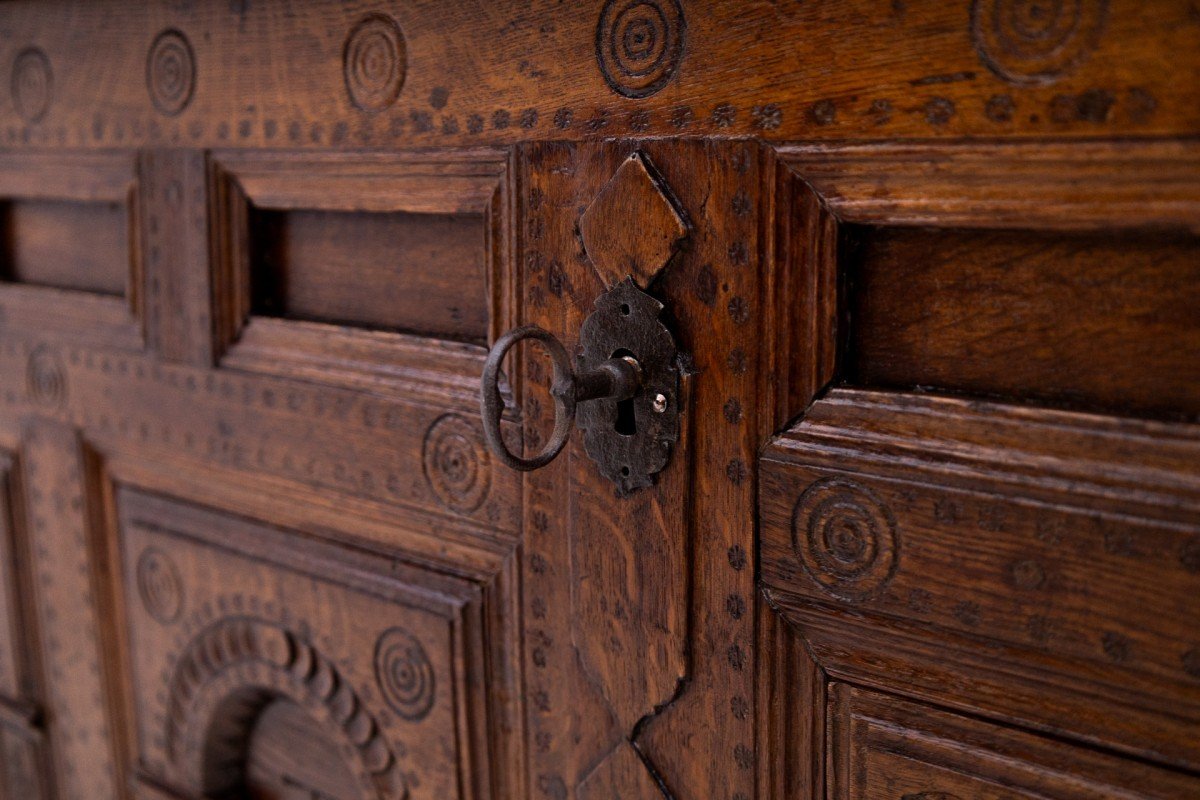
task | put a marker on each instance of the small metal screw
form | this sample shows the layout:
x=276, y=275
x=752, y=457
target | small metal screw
x=660, y=403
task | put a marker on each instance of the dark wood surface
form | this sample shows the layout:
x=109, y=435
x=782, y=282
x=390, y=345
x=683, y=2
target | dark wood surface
x=931, y=530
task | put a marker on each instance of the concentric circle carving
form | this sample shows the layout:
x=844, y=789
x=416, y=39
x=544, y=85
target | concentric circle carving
x=639, y=44
x=32, y=84
x=1033, y=42
x=404, y=673
x=375, y=61
x=45, y=377
x=159, y=585
x=457, y=465
x=171, y=72
x=846, y=538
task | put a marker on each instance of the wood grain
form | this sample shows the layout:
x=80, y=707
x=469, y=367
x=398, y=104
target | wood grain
x=1106, y=322
x=782, y=71
x=422, y=274
x=67, y=245
x=999, y=557
x=253, y=540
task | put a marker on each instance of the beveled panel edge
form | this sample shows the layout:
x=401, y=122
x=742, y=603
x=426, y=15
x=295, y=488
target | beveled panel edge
x=472, y=180
x=1051, y=185
x=83, y=176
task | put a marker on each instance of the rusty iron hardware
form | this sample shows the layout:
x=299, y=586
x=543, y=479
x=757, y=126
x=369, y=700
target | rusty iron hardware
x=624, y=390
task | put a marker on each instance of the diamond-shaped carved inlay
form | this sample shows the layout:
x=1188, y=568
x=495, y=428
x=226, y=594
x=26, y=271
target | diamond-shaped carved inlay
x=633, y=227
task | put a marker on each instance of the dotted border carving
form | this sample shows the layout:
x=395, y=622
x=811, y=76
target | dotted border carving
x=237, y=654
x=1032, y=42
x=845, y=538
x=457, y=465
x=171, y=72
x=640, y=44
x=32, y=84
x=159, y=585
x=404, y=674
x=374, y=62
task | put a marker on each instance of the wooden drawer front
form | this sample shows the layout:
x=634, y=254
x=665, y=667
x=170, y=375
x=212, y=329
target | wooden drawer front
x=262, y=657
x=1038, y=565
x=883, y=748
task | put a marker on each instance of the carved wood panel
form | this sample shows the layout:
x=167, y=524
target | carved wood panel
x=1022, y=566
x=251, y=254
x=358, y=75
x=229, y=620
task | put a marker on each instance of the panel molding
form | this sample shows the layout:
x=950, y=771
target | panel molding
x=275, y=646
x=992, y=534
x=473, y=181
x=1050, y=185
x=63, y=314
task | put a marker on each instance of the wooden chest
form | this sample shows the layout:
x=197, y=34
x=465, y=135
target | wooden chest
x=870, y=336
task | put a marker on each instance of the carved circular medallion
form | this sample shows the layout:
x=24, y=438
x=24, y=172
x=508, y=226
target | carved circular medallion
x=159, y=585
x=457, y=465
x=45, y=378
x=845, y=538
x=32, y=84
x=171, y=72
x=639, y=44
x=1033, y=42
x=375, y=62
x=404, y=673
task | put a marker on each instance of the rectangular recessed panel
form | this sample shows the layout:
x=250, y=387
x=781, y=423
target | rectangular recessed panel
x=66, y=245
x=419, y=273
x=1088, y=320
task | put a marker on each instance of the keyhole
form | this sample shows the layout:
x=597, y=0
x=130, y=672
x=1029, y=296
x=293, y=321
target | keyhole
x=626, y=424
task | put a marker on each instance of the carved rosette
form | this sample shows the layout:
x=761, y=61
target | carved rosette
x=639, y=44
x=846, y=538
x=231, y=669
x=1030, y=42
x=159, y=585
x=171, y=72
x=404, y=674
x=45, y=377
x=32, y=84
x=457, y=465
x=374, y=62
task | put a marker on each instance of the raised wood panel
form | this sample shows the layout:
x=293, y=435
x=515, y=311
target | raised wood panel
x=1102, y=321
x=67, y=245
x=1036, y=566
x=420, y=273
x=783, y=71
x=663, y=579
x=236, y=629
x=884, y=748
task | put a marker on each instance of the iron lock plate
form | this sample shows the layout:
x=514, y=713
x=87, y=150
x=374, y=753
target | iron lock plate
x=630, y=440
